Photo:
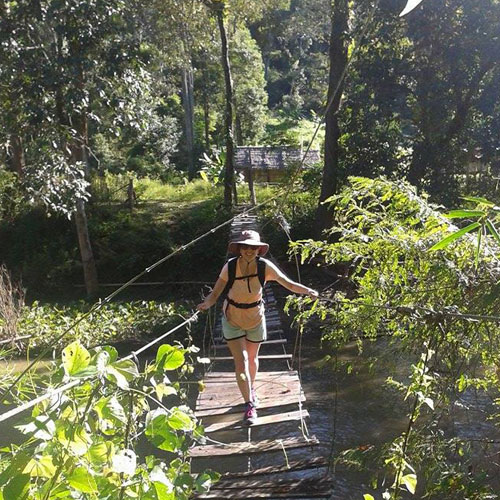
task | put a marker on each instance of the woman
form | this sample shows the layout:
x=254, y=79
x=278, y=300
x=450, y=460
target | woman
x=243, y=321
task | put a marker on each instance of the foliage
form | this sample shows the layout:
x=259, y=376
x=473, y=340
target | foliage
x=395, y=289
x=11, y=305
x=249, y=88
x=82, y=444
x=289, y=130
x=12, y=202
x=115, y=322
x=42, y=249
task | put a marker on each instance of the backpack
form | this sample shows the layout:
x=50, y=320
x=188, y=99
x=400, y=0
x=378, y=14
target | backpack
x=231, y=273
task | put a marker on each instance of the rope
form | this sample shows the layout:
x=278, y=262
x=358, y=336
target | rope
x=54, y=392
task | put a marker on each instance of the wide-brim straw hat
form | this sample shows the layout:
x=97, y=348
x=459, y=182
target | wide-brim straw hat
x=248, y=237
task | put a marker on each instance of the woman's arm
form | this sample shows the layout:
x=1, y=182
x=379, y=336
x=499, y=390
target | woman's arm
x=296, y=287
x=279, y=276
x=212, y=297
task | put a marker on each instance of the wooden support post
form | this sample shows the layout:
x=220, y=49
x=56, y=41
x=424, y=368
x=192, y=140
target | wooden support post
x=253, y=199
x=131, y=194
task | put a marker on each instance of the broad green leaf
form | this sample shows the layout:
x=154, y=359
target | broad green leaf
x=124, y=462
x=16, y=466
x=493, y=230
x=110, y=408
x=461, y=214
x=163, y=390
x=367, y=496
x=82, y=480
x=179, y=420
x=163, y=485
x=40, y=467
x=410, y=481
x=160, y=433
x=455, y=236
x=100, y=453
x=73, y=437
x=169, y=357
x=205, y=480
x=17, y=488
x=75, y=358
x=122, y=372
x=478, y=199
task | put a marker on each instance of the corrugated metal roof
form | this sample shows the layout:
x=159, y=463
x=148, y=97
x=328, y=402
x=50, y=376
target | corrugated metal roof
x=272, y=157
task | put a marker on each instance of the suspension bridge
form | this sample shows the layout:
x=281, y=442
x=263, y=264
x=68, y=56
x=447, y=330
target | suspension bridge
x=281, y=431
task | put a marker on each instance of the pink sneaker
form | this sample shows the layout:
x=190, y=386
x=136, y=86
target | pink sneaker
x=250, y=413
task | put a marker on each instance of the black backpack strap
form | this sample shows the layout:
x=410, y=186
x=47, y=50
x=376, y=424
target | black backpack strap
x=231, y=273
x=261, y=271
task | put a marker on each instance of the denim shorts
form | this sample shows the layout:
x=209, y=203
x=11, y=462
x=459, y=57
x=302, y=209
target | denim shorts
x=257, y=334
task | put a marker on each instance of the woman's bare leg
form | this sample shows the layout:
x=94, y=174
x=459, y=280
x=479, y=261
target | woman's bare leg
x=253, y=359
x=238, y=348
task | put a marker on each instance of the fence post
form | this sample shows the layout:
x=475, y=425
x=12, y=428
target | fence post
x=253, y=199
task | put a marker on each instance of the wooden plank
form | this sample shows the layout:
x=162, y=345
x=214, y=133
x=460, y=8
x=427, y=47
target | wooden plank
x=236, y=422
x=296, y=465
x=314, y=487
x=246, y=448
x=262, y=375
x=206, y=410
x=227, y=392
x=261, y=358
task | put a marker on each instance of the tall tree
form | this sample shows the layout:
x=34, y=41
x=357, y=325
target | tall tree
x=333, y=175
x=218, y=8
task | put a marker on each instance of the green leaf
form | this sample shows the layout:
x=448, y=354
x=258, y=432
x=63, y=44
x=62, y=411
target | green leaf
x=455, y=236
x=160, y=433
x=40, y=467
x=477, y=199
x=75, y=358
x=493, y=230
x=163, y=390
x=461, y=214
x=410, y=481
x=121, y=373
x=179, y=420
x=81, y=479
x=73, y=436
x=17, y=488
x=169, y=357
x=367, y=496
x=100, y=453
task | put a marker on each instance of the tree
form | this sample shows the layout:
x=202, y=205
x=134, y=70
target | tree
x=333, y=176
x=69, y=56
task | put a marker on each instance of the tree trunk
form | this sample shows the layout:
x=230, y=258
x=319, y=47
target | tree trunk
x=206, y=119
x=188, y=105
x=229, y=170
x=88, y=262
x=79, y=154
x=333, y=177
x=17, y=155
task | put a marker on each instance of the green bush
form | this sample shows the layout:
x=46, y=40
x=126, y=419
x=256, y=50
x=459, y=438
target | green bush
x=113, y=322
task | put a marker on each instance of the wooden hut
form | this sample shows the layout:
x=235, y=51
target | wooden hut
x=269, y=163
